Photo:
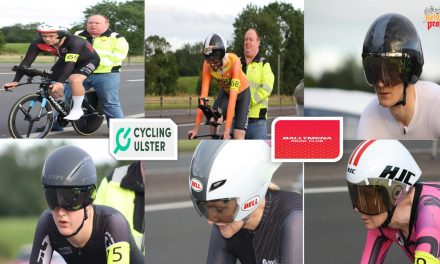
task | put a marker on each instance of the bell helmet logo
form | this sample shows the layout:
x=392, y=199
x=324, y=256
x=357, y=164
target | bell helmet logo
x=251, y=203
x=196, y=185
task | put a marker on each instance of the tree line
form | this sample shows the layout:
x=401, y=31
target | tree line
x=281, y=30
x=126, y=18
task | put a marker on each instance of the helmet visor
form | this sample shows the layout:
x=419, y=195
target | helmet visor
x=71, y=199
x=376, y=196
x=385, y=69
x=218, y=211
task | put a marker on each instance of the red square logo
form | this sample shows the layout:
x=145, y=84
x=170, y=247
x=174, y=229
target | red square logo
x=307, y=139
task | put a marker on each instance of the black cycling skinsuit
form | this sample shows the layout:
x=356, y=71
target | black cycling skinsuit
x=76, y=55
x=277, y=239
x=110, y=229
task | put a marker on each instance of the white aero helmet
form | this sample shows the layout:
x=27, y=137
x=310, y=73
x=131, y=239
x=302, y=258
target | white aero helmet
x=47, y=28
x=229, y=179
x=379, y=175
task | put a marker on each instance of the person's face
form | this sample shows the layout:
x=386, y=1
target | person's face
x=251, y=44
x=388, y=95
x=372, y=221
x=96, y=25
x=50, y=38
x=230, y=229
x=66, y=221
x=215, y=63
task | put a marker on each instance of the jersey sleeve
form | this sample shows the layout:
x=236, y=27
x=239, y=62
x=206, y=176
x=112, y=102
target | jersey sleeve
x=74, y=48
x=117, y=239
x=120, y=51
x=233, y=92
x=428, y=227
x=291, y=240
x=217, y=253
x=266, y=86
x=29, y=58
x=42, y=248
x=206, y=79
x=376, y=247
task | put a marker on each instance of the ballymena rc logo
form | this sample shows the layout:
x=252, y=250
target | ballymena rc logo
x=196, y=185
x=432, y=17
x=307, y=139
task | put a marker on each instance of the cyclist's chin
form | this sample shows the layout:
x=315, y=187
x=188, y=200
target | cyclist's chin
x=229, y=230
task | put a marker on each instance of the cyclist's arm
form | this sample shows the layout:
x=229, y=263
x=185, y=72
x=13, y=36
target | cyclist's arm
x=376, y=247
x=206, y=79
x=291, y=240
x=42, y=249
x=267, y=80
x=217, y=253
x=29, y=58
x=120, y=245
x=233, y=92
x=74, y=48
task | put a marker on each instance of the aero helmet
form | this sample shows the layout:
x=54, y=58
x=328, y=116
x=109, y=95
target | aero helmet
x=234, y=174
x=46, y=28
x=214, y=47
x=392, y=52
x=379, y=175
x=69, y=178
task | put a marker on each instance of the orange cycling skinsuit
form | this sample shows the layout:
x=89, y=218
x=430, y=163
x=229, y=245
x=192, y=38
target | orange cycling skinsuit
x=231, y=79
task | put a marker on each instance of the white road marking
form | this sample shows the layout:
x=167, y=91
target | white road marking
x=168, y=206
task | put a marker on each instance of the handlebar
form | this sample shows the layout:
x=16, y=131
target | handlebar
x=31, y=72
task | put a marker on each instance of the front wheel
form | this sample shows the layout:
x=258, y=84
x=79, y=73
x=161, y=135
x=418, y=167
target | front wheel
x=30, y=117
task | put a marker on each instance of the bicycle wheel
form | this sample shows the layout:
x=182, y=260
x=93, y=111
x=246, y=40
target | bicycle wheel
x=30, y=117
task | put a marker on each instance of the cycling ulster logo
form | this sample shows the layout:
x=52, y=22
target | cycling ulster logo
x=307, y=139
x=143, y=139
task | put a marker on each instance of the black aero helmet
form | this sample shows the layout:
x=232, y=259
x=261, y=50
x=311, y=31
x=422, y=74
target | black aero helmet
x=214, y=47
x=69, y=178
x=392, y=51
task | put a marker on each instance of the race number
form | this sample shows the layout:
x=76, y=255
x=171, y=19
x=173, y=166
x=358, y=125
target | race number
x=235, y=85
x=119, y=253
x=70, y=57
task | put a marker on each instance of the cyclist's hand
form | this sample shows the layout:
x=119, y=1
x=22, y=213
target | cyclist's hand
x=226, y=134
x=10, y=85
x=57, y=89
x=192, y=133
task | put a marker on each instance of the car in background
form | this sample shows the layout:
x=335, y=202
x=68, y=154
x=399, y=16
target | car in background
x=337, y=102
x=24, y=256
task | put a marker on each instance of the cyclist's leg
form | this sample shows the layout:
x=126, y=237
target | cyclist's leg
x=106, y=86
x=76, y=82
x=221, y=102
x=241, y=114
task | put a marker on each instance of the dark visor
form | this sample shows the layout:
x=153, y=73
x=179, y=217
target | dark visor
x=71, y=199
x=389, y=70
x=369, y=199
x=219, y=211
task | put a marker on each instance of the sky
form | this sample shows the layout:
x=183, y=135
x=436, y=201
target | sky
x=195, y=19
x=336, y=29
x=63, y=13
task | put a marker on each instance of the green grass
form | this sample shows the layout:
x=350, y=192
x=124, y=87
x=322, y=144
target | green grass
x=15, y=48
x=16, y=231
x=187, y=85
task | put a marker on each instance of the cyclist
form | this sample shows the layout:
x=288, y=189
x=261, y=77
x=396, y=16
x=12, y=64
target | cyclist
x=252, y=221
x=234, y=95
x=382, y=179
x=405, y=108
x=77, y=60
x=80, y=231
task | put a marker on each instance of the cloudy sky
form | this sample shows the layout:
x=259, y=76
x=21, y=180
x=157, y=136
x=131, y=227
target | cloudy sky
x=63, y=13
x=195, y=19
x=335, y=30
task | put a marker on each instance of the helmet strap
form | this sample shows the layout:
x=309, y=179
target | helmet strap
x=389, y=217
x=403, y=101
x=81, y=226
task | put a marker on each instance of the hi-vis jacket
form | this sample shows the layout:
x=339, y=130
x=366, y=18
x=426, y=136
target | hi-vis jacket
x=261, y=79
x=123, y=189
x=112, y=49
